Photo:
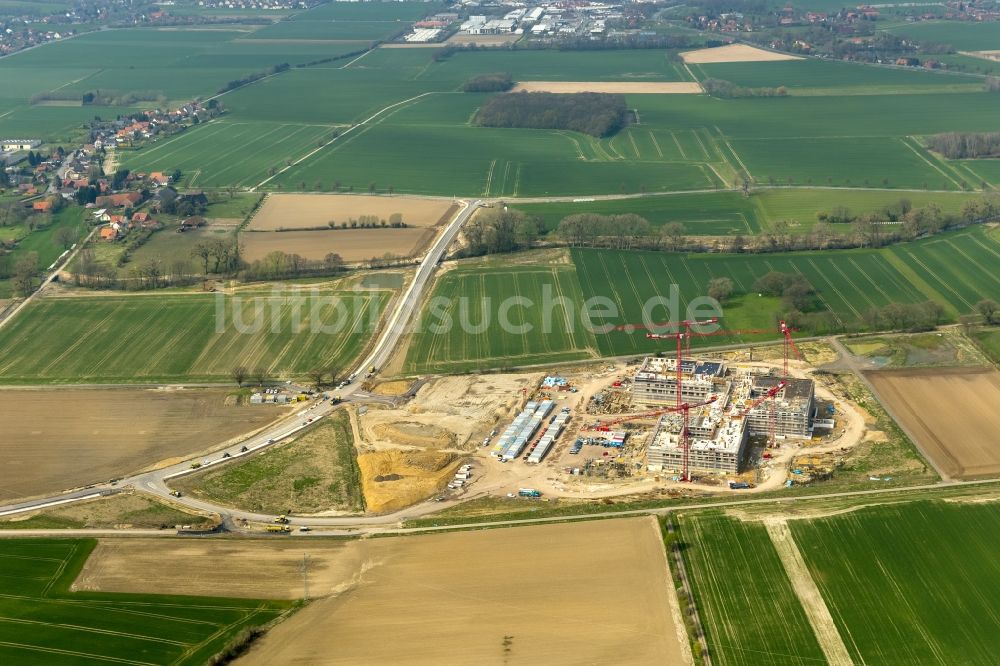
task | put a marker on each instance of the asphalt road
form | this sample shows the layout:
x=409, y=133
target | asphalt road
x=389, y=338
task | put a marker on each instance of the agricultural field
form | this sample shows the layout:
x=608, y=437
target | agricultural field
x=961, y=35
x=195, y=337
x=869, y=587
x=309, y=211
x=989, y=339
x=747, y=606
x=468, y=324
x=830, y=77
x=433, y=588
x=48, y=450
x=317, y=471
x=733, y=53
x=848, y=284
x=908, y=582
x=730, y=213
x=711, y=214
x=48, y=623
x=353, y=245
x=926, y=402
x=225, y=152
x=979, y=171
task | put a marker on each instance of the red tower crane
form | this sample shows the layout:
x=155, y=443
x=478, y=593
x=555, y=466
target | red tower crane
x=772, y=426
x=789, y=343
x=684, y=439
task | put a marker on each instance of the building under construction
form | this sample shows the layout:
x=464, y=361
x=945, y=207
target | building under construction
x=655, y=382
x=794, y=407
x=719, y=432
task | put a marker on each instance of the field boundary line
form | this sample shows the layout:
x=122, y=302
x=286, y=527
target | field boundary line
x=339, y=136
x=73, y=653
x=656, y=144
x=92, y=630
x=808, y=594
x=916, y=280
x=929, y=163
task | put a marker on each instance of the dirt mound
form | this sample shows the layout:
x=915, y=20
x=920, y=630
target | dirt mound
x=394, y=479
x=392, y=388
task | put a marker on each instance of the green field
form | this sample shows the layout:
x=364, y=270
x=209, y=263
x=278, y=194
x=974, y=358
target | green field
x=825, y=77
x=730, y=213
x=224, y=153
x=719, y=213
x=954, y=270
x=990, y=341
x=909, y=583
x=461, y=329
x=746, y=604
x=42, y=239
x=191, y=337
x=905, y=583
x=961, y=35
x=44, y=623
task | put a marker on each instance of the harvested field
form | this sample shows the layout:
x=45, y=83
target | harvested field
x=988, y=55
x=482, y=40
x=351, y=244
x=623, y=87
x=255, y=569
x=61, y=439
x=734, y=53
x=426, y=599
x=393, y=479
x=951, y=412
x=311, y=211
x=393, y=388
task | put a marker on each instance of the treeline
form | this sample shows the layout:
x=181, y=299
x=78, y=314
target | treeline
x=279, y=265
x=256, y=76
x=962, y=145
x=838, y=229
x=729, y=90
x=395, y=221
x=498, y=82
x=101, y=97
x=992, y=84
x=597, y=114
x=497, y=232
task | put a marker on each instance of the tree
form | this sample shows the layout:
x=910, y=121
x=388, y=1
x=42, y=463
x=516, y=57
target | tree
x=672, y=235
x=333, y=262
x=202, y=251
x=260, y=375
x=371, y=188
x=990, y=310
x=720, y=288
x=317, y=375
x=239, y=373
x=64, y=236
x=25, y=272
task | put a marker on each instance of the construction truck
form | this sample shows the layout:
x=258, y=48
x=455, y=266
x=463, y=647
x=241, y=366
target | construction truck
x=282, y=519
x=280, y=529
x=528, y=492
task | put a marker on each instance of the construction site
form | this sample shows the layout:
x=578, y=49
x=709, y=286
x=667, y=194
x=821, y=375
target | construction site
x=670, y=422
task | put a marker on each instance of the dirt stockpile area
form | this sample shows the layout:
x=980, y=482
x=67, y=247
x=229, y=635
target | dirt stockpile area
x=951, y=411
x=733, y=53
x=407, y=454
x=448, y=598
x=312, y=211
x=351, y=244
x=57, y=439
x=393, y=479
x=622, y=87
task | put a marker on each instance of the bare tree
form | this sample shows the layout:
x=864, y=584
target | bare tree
x=260, y=375
x=239, y=373
x=317, y=375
